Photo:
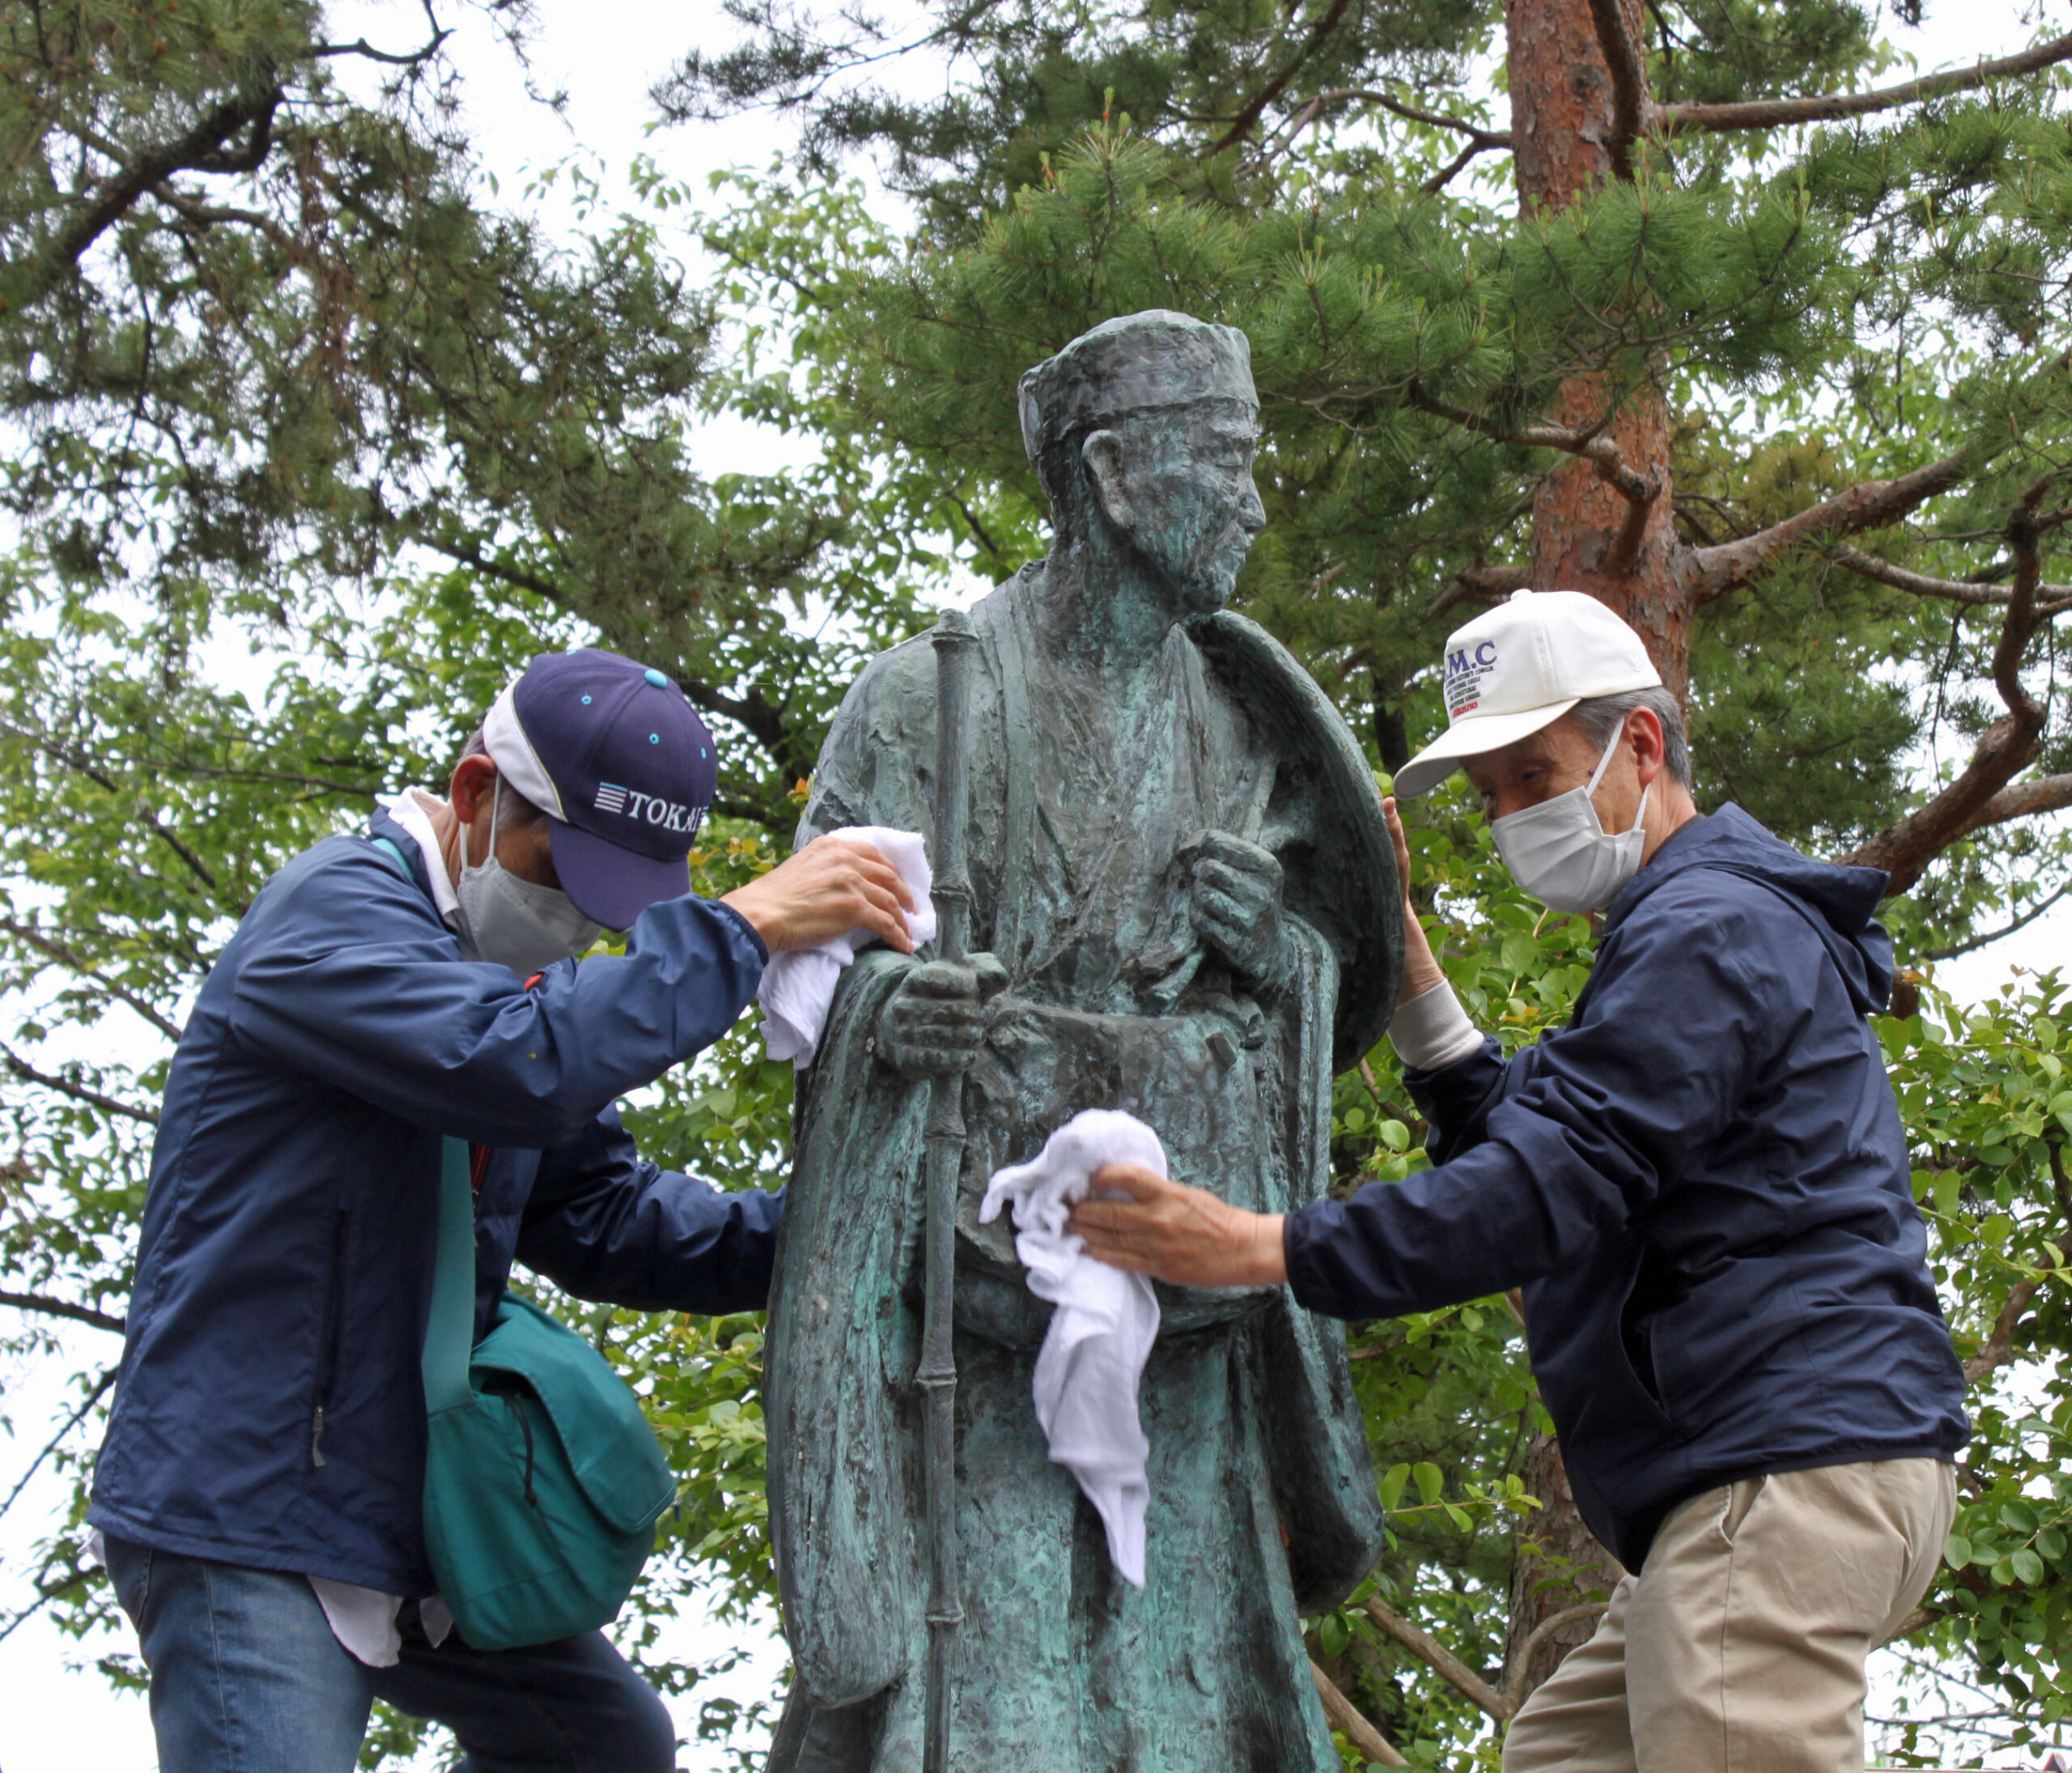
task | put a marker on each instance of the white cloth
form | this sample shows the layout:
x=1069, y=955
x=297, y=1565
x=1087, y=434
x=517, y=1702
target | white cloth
x=363, y=1620
x=1431, y=1031
x=798, y=986
x=413, y=809
x=1092, y=1360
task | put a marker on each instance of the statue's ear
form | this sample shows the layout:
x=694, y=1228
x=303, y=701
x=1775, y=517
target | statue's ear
x=1102, y=454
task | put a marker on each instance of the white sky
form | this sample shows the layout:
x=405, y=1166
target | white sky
x=55, y=1717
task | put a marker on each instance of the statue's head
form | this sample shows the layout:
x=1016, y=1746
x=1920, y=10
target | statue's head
x=1146, y=425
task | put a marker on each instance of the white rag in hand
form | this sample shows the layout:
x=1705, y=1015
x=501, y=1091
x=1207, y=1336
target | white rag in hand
x=1101, y=1332
x=798, y=986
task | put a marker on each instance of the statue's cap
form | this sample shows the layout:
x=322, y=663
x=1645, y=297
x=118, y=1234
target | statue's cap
x=1133, y=363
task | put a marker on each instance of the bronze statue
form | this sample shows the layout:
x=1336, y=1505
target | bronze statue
x=1182, y=903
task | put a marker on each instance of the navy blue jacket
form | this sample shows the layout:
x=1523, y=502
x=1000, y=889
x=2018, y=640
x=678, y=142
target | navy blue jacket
x=1701, y=1184
x=270, y=1411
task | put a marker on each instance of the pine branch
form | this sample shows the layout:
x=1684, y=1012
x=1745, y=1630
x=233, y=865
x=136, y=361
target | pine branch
x=1672, y=120
x=1594, y=447
x=1632, y=102
x=1714, y=571
x=200, y=150
x=1272, y=89
x=78, y=1092
x=1358, y=1727
x=1441, y=1661
x=2009, y=745
x=2054, y=599
x=58, y=1307
x=2024, y=800
x=1479, y=140
x=1485, y=584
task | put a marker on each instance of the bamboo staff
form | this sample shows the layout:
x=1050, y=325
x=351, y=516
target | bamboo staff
x=954, y=640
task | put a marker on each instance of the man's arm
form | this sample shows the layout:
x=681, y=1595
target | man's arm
x=1586, y=1137
x=603, y=1223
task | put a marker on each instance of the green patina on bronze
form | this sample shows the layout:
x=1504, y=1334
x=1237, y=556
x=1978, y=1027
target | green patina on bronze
x=1121, y=729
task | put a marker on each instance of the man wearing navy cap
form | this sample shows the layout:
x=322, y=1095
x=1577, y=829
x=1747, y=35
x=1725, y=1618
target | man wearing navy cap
x=259, y=1489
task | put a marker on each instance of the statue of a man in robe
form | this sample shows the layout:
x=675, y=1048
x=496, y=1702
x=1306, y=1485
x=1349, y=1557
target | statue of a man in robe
x=1185, y=905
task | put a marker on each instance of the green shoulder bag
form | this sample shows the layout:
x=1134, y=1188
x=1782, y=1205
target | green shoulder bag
x=542, y=1481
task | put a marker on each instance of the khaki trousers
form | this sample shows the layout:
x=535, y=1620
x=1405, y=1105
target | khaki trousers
x=1739, y=1647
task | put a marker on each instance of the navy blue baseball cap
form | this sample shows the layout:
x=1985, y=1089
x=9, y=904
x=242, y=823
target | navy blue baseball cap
x=617, y=758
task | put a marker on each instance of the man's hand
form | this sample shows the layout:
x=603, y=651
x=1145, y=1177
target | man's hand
x=1181, y=1235
x=828, y=888
x=1420, y=966
x=934, y=1023
x=1237, y=904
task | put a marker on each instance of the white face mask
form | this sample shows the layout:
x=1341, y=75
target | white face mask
x=1560, y=853
x=519, y=923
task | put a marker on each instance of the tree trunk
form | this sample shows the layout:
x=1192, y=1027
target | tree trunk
x=1588, y=537
x=1559, y=1565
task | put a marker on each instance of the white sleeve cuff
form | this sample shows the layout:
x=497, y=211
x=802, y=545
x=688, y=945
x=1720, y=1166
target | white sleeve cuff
x=1431, y=1031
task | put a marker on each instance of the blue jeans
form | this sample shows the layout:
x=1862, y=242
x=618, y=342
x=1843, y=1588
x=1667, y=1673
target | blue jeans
x=246, y=1677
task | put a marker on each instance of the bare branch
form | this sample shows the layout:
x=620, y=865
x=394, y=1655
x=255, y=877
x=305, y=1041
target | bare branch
x=2054, y=599
x=1242, y=126
x=1715, y=570
x=78, y=1092
x=58, y=1307
x=1442, y=1662
x=64, y=1428
x=57, y=950
x=1359, y=1729
x=1631, y=99
x=1992, y=936
x=200, y=150
x=1999, y=1348
x=1671, y=120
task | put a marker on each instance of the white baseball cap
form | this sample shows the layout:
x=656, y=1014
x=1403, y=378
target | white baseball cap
x=1520, y=667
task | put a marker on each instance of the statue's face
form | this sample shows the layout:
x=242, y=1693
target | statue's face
x=1188, y=503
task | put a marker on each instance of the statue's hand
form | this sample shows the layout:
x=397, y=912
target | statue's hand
x=931, y=1027
x=1236, y=905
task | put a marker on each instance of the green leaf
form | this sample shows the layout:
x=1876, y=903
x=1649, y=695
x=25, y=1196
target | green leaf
x=1956, y=1551
x=1333, y=1635
x=1393, y=1481
x=2027, y=1566
x=1519, y=951
x=1429, y=1480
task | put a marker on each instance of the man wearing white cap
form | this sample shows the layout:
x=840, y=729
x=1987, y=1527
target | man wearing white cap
x=1702, y=1186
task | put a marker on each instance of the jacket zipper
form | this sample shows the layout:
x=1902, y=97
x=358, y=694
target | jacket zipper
x=327, y=1347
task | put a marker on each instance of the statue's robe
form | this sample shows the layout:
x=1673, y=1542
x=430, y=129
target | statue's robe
x=1082, y=820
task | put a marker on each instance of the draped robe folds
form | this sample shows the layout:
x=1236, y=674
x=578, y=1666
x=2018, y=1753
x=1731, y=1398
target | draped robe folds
x=1083, y=828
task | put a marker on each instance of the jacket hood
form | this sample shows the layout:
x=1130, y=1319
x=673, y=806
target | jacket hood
x=1839, y=902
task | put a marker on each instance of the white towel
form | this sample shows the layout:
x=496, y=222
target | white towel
x=1101, y=1332
x=799, y=985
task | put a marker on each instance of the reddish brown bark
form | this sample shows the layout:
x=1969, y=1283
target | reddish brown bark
x=1558, y=1567
x=1587, y=534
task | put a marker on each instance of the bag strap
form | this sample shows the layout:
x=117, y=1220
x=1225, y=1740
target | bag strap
x=449, y=1334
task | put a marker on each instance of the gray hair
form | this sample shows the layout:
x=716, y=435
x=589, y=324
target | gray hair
x=1599, y=717
x=513, y=809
